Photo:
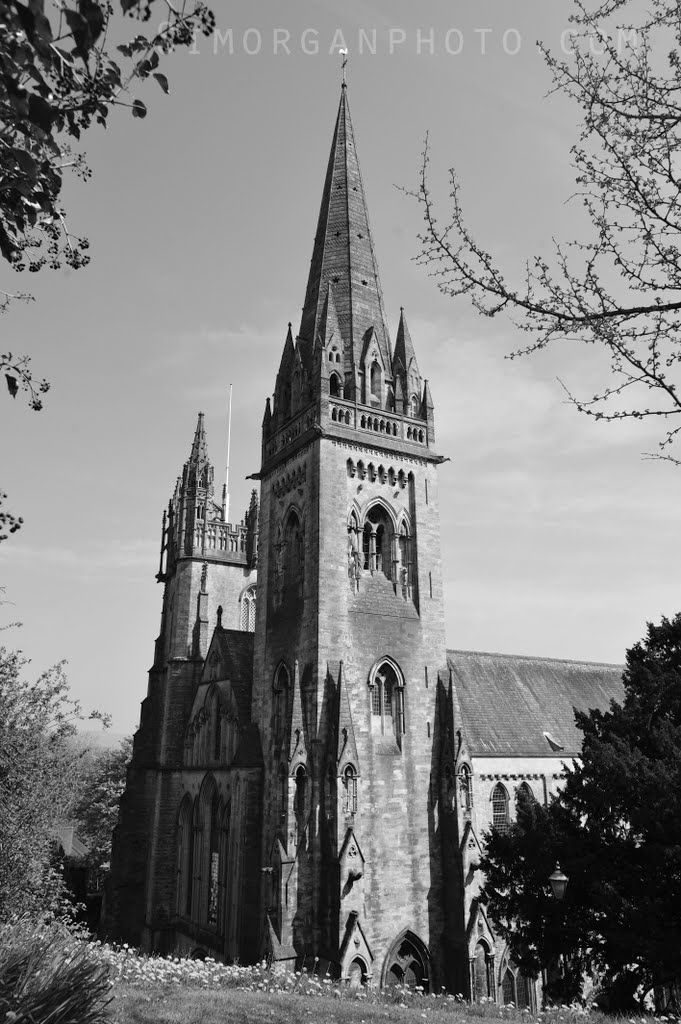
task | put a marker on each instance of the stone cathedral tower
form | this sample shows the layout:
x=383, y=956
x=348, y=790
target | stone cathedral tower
x=350, y=627
x=282, y=798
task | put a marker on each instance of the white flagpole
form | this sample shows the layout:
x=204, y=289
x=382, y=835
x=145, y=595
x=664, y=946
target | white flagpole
x=225, y=489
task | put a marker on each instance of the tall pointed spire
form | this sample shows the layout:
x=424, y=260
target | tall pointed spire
x=404, y=349
x=408, y=384
x=199, y=452
x=197, y=470
x=343, y=254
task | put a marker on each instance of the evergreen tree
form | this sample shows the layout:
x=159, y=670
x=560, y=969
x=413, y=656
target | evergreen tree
x=616, y=830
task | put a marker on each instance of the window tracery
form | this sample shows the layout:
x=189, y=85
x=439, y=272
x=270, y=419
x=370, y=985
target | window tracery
x=247, y=615
x=387, y=700
x=214, y=862
x=500, y=819
x=376, y=542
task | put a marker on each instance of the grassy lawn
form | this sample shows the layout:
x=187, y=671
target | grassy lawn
x=173, y=1005
x=165, y=1004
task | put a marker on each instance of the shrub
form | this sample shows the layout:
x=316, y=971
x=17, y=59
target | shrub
x=47, y=975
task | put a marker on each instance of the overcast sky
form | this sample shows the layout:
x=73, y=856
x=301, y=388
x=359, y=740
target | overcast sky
x=558, y=538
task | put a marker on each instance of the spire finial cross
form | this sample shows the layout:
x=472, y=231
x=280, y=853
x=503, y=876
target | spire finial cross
x=344, y=64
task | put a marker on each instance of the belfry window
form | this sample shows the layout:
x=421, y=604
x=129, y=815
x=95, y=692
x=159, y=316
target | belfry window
x=377, y=542
x=500, y=820
x=247, y=615
x=414, y=405
x=335, y=386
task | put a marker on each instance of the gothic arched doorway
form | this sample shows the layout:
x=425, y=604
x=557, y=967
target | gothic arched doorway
x=407, y=963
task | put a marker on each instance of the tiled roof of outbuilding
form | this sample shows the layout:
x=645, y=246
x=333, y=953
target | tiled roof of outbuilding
x=510, y=703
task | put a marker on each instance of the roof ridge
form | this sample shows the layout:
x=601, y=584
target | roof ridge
x=537, y=657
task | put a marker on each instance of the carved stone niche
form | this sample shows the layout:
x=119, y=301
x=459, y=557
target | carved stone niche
x=351, y=862
x=356, y=958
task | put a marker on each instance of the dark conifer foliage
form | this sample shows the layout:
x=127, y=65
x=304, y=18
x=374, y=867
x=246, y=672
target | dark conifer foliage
x=616, y=831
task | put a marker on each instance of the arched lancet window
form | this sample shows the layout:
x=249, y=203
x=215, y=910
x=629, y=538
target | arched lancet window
x=500, y=819
x=196, y=862
x=525, y=792
x=481, y=973
x=185, y=851
x=414, y=405
x=225, y=866
x=508, y=988
x=465, y=788
x=387, y=699
x=294, y=562
x=376, y=380
x=515, y=988
x=407, y=963
x=247, y=615
x=214, y=862
x=349, y=790
x=283, y=796
x=280, y=689
x=334, y=386
x=377, y=542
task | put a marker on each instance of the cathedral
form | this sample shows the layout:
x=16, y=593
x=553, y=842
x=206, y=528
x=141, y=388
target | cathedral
x=314, y=769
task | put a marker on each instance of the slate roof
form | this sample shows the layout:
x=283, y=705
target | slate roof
x=509, y=702
x=343, y=254
x=236, y=654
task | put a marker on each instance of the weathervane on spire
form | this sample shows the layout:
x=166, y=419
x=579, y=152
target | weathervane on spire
x=344, y=55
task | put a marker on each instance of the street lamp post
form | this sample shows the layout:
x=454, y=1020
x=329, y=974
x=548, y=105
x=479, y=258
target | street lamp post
x=558, y=882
